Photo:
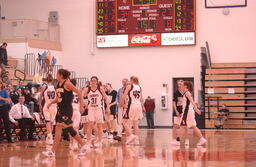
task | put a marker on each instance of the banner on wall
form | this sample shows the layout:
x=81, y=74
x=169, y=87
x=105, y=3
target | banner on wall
x=184, y=38
x=145, y=40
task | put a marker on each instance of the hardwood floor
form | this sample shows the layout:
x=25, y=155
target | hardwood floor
x=225, y=148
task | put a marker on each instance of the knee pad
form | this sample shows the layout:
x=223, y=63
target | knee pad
x=70, y=130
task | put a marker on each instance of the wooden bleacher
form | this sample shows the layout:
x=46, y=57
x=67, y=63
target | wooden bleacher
x=242, y=103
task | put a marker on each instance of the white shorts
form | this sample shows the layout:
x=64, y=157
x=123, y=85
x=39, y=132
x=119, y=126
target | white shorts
x=95, y=115
x=50, y=114
x=176, y=120
x=135, y=112
x=189, y=119
x=84, y=119
x=76, y=118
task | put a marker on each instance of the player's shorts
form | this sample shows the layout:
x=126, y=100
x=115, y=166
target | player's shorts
x=134, y=112
x=76, y=118
x=64, y=121
x=188, y=118
x=95, y=115
x=84, y=119
x=50, y=114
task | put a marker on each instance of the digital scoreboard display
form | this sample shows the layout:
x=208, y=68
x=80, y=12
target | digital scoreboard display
x=145, y=22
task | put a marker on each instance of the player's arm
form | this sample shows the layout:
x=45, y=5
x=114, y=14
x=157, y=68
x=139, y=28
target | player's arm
x=68, y=85
x=40, y=99
x=175, y=108
x=107, y=100
x=127, y=89
x=84, y=94
x=189, y=96
x=141, y=101
x=115, y=102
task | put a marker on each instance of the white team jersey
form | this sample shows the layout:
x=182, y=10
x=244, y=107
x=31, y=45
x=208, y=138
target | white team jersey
x=95, y=99
x=49, y=94
x=135, y=94
x=75, y=103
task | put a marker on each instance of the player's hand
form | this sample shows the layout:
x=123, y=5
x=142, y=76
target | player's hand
x=178, y=114
x=108, y=110
x=16, y=123
x=198, y=111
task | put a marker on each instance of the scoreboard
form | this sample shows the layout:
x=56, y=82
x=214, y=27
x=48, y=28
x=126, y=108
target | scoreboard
x=122, y=23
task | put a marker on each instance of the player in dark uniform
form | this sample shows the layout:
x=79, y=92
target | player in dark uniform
x=65, y=111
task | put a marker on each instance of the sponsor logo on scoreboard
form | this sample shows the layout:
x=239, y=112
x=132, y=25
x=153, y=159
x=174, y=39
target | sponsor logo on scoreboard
x=181, y=38
x=112, y=40
x=145, y=40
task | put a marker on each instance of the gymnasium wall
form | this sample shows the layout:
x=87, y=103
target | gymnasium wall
x=231, y=39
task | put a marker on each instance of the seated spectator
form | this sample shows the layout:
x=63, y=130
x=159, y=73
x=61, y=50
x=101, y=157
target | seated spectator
x=224, y=111
x=15, y=95
x=20, y=86
x=20, y=116
x=28, y=100
x=222, y=116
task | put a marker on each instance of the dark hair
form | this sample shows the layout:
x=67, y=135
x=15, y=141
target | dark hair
x=73, y=81
x=4, y=44
x=94, y=77
x=49, y=78
x=64, y=73
x=189, y=86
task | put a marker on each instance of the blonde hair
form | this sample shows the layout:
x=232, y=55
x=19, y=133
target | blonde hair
x=135, y=80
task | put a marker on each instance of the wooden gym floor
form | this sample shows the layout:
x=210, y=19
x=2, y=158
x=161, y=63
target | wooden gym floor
x=227, y=148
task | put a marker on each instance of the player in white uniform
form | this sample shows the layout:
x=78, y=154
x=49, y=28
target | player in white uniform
x=76, y=118
x=95, y=95
x=134, y=111
x=188, y=112
x=47, y=95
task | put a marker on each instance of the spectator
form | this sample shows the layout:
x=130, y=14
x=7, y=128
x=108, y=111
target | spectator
x=28, y=100
x=222, y=116
x=150, y=109
x=4, y=110
x=20, y=116
x=20, y=86
x=3, y=56
x=15, y=95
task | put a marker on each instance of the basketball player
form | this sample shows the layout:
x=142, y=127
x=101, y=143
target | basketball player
x=76, y=118
x=188, y=112
x=65, y=111
x=134, y=110
x=111, y=117
x=95, y=95
x=177, y=107
x=48, y=94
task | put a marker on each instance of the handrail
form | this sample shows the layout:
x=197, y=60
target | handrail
x=81, y=82
x=208, y=54
x=33, y=20
x=15, y=74
x=209, y=108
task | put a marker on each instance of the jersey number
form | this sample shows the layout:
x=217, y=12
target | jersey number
x=51, y=94
x=76, y=100
x=94, y=100
x=136, y=94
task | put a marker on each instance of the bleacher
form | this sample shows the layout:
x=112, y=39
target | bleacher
x=233, y=84
x=31, y=67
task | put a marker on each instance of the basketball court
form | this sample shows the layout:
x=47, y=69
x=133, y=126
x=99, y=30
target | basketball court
x=137, y=83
